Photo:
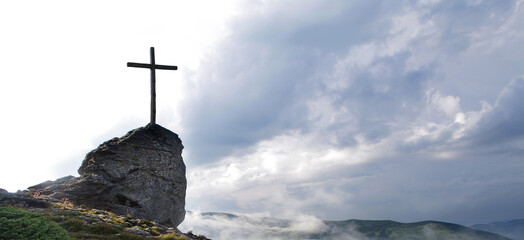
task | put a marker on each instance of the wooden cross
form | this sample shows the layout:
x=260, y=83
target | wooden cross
x=152, y=66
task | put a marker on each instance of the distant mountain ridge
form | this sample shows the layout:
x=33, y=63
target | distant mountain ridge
x=418, y=230
x=513, y=228
x=272, y=228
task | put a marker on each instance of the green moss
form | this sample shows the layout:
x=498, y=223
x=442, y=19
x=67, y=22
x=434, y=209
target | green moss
x=172, y=236
x=155, y=231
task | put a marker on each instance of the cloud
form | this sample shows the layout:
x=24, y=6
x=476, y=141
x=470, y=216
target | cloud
x=364, y=109
x=502, y=125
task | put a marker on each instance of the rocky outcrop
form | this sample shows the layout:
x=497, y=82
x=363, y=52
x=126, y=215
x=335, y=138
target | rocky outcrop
x=141, y=174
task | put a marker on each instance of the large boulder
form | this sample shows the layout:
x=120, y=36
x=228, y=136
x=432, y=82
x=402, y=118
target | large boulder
x=141, y=174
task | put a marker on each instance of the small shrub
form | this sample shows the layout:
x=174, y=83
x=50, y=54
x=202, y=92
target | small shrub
x=19, y=224
x=130, y=236
x=103, y=229
x=73, y=225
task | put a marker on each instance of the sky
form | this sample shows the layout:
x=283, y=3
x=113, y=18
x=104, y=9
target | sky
x=366, y=109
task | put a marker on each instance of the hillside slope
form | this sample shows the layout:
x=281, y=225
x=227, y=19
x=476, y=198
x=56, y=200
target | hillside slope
x=390, y=230
x=229, y=226
x=513, y=229
x=29, y=214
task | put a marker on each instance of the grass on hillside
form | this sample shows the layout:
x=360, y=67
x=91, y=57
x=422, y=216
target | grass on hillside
x=86, y=224
x=20, y=224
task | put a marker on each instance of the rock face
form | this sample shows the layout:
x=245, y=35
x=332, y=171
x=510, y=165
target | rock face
x=141, y=174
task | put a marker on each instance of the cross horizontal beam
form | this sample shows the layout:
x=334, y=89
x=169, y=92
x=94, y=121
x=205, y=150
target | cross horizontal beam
x=153, y=67
x=150, y=66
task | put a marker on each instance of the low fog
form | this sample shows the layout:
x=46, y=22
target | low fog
x=258, y=227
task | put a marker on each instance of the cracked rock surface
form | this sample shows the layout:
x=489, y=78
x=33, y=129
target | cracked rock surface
x=141, y=174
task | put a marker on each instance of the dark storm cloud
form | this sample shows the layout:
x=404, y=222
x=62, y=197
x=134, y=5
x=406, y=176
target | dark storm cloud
x=503, y=125
x=249, y=97
x=278, y=57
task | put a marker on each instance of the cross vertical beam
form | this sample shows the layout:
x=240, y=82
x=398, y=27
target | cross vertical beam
x=153, y=67
x=153, y=86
